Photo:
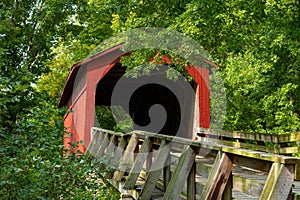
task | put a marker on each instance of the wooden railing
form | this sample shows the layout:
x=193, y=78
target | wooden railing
x=144, y=165
x=272, y=143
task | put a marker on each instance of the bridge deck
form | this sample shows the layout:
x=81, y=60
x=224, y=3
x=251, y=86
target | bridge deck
x=145, y=165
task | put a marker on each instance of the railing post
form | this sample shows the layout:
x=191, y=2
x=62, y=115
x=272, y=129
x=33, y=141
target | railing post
x=103, y=146
x=181, y=173
x=96, y=140
x=167, y=173
x=279, y=182
x=138, y=163
x=191, y=183
x=155, y=170
x=218, y=177
x=227, y=194
x=127, y=157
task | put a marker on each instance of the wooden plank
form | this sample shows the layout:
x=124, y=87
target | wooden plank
x=261, y=155
x=200, y=183
x=284, y=183
x=248, y=185
x=98, y=129
x=180, y=175
x=289, y=150
x=218, y=178
x=167, y=173
x=138, y=164
x=110, y=149
x=127, y=158
x=96, y=140
x=149, y=158
x=243, y=145
x=191, y=183
x=279, y=182
x=155, y=170
x=203, y=167
x=237, y=195
x=291, y=137
x=212, y=173
x=242, y=135
x=252, y=163
x=173, y=139
x=274, y=138
x=227, y=194
x=118, y=152
x=115, y=160
x=103, y=146
x=279, y=158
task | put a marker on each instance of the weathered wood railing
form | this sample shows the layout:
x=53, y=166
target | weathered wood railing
x=285, y=144
x=152, y=166
x=271, y=143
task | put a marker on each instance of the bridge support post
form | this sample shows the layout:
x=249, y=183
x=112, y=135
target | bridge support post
x=155, y=170
x=191, y=183
x=218, y=177
x=279, y=182
x=181, y=173
x=227, y=194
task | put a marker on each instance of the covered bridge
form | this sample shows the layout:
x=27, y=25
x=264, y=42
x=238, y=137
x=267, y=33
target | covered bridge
x=91, y=82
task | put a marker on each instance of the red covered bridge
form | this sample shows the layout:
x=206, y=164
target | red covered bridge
x=91, y=82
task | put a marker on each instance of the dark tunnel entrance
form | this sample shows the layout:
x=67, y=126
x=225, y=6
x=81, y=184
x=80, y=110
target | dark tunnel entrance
x=147, y=96
x=151, y=104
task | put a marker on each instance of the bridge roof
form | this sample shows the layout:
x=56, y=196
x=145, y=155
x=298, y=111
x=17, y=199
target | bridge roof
x=69, y=83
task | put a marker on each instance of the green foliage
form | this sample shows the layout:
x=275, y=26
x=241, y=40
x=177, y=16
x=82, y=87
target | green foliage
x=105, y=117
x=28, y=30
x=34, y=164
x=255, y=42
x=34, y=37
x=113, y=118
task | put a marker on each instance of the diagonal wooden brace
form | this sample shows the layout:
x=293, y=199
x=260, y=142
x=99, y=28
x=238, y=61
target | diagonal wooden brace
x=218, y=177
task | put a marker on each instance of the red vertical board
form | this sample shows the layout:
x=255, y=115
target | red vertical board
x=201, y=77
x=93, y=77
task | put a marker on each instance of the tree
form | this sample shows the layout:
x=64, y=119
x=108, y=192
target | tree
x=257, y=45
x=28, y=30
x=33, y=162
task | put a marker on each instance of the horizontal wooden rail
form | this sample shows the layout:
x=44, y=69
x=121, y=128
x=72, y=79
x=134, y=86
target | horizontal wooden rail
x=271, y=143
x=147, y=165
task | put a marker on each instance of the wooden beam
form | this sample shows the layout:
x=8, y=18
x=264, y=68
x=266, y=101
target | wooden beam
x=138, y=164
x=279, y=182
x=252, y=163
x=227, y=194
x=127, y=158
x=111, y=148
x=290, y=137
x=115, y=160
x=96, y=140
x=249, y=185
x=191, y=183
x=244, y=145
x=181, y=173
x=155, y=170
x=119, y=151
x=103, y=146
x=167, y=173
x=297, y=171
x=217, y=178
